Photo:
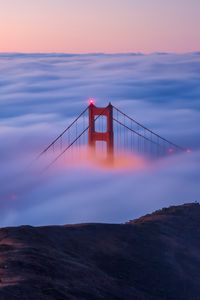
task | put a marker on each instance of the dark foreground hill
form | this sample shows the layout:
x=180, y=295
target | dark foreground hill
x=154, y=257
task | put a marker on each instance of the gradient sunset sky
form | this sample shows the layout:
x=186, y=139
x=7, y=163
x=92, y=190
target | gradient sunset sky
x=81, y=26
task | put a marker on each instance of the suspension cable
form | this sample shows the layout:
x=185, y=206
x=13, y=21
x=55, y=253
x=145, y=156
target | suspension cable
x=57, y=138
x=139, y=134
x=71, y=144
x=149, y=130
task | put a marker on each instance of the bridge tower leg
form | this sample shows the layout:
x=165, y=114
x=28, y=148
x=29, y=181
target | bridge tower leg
x=107, y=136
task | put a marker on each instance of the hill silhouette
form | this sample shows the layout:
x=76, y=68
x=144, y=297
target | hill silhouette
x=151, y=258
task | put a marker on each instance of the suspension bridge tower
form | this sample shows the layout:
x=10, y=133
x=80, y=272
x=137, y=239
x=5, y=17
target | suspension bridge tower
x=106, y=136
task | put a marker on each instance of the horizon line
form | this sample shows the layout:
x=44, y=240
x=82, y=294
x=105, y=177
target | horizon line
x=99, y=53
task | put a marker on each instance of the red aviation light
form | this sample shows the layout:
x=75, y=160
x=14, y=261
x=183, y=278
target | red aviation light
x=91, y=101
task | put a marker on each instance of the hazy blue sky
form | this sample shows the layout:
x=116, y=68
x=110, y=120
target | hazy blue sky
x=99, y=26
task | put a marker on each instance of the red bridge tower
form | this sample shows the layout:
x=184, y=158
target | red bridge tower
x=108, y=135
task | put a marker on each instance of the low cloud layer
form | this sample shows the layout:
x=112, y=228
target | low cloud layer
x=39, y=96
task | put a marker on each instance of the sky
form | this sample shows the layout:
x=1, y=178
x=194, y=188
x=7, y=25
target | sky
x=40, y=95
x=110, y=26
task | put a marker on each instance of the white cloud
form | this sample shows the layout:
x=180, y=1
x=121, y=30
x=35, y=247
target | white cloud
x=41, y=94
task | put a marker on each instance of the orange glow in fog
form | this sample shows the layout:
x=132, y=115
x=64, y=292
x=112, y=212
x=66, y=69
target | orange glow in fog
x=86, y=158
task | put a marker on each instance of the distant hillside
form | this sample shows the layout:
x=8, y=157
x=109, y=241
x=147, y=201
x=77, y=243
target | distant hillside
x=152, y=258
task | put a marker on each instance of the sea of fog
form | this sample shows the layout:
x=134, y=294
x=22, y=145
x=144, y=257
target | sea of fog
x=40, y=94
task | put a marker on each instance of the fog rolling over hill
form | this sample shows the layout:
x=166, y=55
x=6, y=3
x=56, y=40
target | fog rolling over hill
x=154, y=257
